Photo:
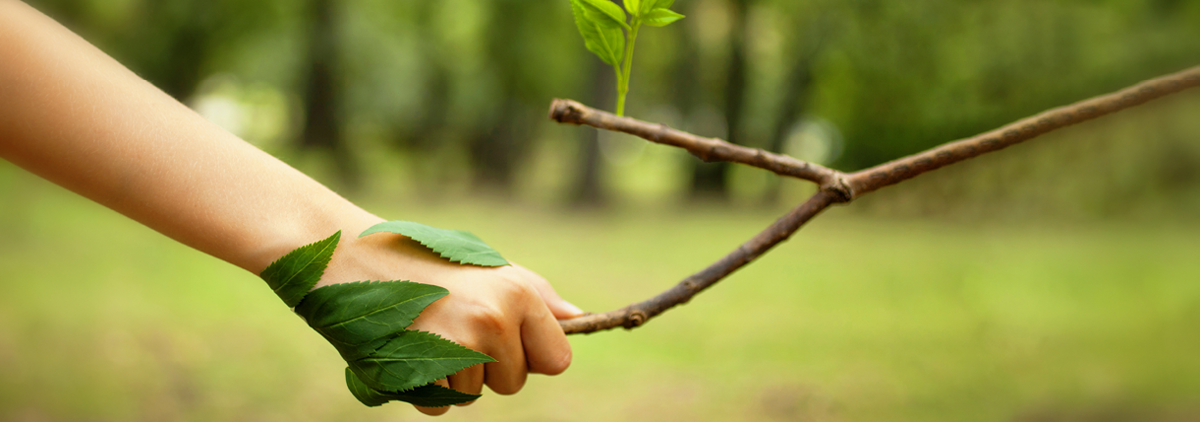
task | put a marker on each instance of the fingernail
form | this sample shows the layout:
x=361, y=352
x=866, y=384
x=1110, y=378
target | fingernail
x=574, y=310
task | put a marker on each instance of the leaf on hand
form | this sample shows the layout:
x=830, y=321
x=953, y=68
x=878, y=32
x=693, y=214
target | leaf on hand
x=456, y=245
x=661, y=17
x=431, y=395
x=357, y=317
x=412, y=359
x=605, y=41
x=292, y=276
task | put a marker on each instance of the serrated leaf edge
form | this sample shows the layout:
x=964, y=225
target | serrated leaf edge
x=443, y=293
x=430, y=244
x=333, y=242
x=364, y=392
x=454, y=370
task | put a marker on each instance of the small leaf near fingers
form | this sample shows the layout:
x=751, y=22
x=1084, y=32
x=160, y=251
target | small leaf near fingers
x=292, y=276
x=412, y=359
x=353, y=316
x=456, y=245
x=431, y=395
x=661, y=17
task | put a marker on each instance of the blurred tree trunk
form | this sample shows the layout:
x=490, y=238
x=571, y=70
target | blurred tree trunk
x=686, y=92
x=710, y=181
x=431, y=132
x=188, y=49
x=795, y=94
x=322, y=97
x=495, y=150
x=435, y=110
x=589, y=186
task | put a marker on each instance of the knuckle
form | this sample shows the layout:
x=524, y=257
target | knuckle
x=558, y=364
x=511, y=283
x=492, y=319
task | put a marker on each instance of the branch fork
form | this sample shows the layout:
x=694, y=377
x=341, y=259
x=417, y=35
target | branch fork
x=836, y=187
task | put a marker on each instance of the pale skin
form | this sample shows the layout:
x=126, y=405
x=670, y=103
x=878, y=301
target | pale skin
x=76, y=117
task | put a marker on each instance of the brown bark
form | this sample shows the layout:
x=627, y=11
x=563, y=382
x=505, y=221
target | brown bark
x=707, y=149
x=836, y=187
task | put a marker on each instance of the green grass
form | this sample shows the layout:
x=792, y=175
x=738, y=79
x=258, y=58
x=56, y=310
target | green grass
x=854, y=319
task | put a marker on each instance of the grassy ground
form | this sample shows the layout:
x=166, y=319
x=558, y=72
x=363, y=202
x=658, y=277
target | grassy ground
x=854, y=319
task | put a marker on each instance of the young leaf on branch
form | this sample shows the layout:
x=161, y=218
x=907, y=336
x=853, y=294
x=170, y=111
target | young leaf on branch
x=649, y=5
x=604, y=40
x=661, y=17
x=600, y=22
x=605, y=13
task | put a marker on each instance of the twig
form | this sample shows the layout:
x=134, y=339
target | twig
x=836, y=187
x=707, y=149
x=638, y=313
x=897, y=171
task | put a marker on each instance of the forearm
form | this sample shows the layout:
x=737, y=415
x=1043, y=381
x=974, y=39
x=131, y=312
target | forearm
x=75, y=116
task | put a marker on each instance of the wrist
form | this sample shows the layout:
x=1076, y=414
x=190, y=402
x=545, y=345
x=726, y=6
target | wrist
x=314, y=224
x=378, y=257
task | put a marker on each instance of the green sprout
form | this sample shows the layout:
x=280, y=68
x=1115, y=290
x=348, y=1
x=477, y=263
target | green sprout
x=607, y=34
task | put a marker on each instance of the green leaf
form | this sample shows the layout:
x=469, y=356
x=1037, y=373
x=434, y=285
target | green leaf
x=412, y=359
x=292, y=276
x=456, y=245
x=604, y=41
x=634, y=7
x=661, y=17
x=646, y=7
x=600, y=9
x=358, y=317
x=663, y=4
x=431, y=395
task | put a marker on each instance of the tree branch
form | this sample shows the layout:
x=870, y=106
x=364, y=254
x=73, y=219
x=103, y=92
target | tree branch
x=897, y=171
x=638, y=313
x=836, y=187
x=707, y=149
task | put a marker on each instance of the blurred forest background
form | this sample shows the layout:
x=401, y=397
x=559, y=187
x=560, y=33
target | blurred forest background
x=449, y=97
x=1053, y=281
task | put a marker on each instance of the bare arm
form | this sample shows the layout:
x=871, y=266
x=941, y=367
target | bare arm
x=75, y=116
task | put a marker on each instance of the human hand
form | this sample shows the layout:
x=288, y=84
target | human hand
x=508, y=313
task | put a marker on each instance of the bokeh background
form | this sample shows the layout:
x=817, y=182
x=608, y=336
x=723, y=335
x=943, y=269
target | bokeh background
x=1058, y=280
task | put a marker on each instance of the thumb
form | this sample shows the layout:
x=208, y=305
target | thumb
x=561, y=309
